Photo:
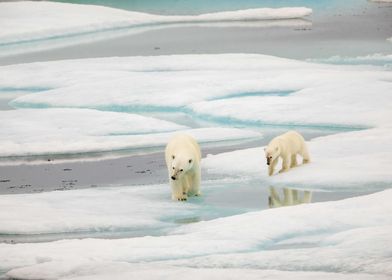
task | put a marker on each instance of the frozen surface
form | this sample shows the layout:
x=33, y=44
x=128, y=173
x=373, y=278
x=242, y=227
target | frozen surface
x=92, y=210
x=355, y=160
x=342, y=239
x=28, y=23
x=313, y=94
x=193, y=88
x=377, y=59
x=61, y=131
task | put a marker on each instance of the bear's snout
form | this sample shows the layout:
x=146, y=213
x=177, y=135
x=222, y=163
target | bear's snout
x=268, y=161
x=173, y=178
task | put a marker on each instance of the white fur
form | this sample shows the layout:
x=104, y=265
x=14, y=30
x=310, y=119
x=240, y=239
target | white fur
x=183, y=157
x=286, y=146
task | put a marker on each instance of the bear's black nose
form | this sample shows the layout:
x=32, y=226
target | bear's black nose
x=173, y=178
x=267, y=163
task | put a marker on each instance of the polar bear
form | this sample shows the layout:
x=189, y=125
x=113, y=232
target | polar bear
x=286, y=146
x=183, y=156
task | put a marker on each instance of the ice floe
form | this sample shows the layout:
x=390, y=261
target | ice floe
x=377, y=59
x=28, y=23
x=321, y=94
x=345, y=237
x=352, y=160
x=60, y=131
x=225, y=90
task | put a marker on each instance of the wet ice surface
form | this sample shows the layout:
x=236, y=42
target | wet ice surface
x=73, y=233
x=346, y=236
x=140, y=223
x=118, y=212
x=124, y=224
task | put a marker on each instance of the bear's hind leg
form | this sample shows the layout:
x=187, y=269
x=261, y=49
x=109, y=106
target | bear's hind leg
x=305, y=156
x=293, y=161
x=195, y=184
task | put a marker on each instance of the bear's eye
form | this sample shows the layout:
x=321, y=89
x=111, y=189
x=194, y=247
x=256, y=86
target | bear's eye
x=190, y=161
x=173, y=167
x=181, y=170
x=173, y=157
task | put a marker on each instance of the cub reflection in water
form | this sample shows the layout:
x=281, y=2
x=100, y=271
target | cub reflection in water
x=290, y=197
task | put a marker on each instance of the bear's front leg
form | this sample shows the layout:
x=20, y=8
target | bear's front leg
x=178, y=191
x=271, y=167
x=285, y=164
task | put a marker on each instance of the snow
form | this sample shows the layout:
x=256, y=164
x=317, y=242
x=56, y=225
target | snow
x=198, y=85
x=60, y=131
x=312, y=95
x=124, y=270
x=29, y=22
x=104, y=104
x=345, y=238
x=374, y=59
x=353, y=160
x=91, y=210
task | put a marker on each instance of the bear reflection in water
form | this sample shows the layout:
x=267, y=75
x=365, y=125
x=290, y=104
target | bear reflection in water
x=290, y=197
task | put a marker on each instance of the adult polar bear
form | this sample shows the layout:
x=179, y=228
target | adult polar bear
x=286, y=146
x=183, y=158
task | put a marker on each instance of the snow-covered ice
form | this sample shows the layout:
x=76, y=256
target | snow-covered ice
x=377, y=59
x=313, y=95
x=105, y=104
x=61, y=131
x=91, y=210
x=353, y=160
x=28, y=22
x=345, y=237
x=199, y=84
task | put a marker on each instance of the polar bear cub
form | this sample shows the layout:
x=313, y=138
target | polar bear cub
x=286, y=146
x=183, y=156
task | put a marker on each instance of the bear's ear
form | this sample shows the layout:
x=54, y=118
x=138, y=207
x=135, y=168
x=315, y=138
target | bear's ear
x=277, y=149
x=173, y=157
x=265, y=148
x=190, y=161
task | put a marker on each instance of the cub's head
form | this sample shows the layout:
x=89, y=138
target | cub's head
x=271, y=153
x=180, y=166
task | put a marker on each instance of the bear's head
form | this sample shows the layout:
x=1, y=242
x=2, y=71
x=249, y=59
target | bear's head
x=271, y=153
x=180, y=165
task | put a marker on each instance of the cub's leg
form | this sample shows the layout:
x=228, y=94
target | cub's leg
x=285, y=164
x=305, y=155
x=272, y=166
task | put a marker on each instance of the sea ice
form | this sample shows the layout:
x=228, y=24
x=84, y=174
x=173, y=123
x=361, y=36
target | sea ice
x=60, y=131
x=352, y=160
x=345, y=237
x=54, y=21
x=312, y=95
x=377, y=59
